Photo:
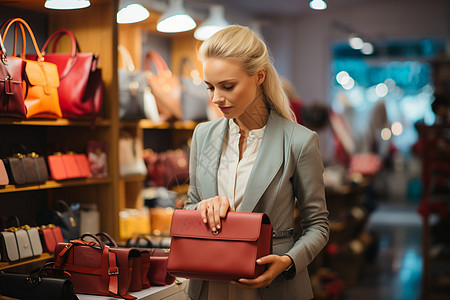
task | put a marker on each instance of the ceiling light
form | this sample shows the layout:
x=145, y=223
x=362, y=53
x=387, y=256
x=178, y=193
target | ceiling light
x=132, y=13
x=355, y=42
x=318, y=4
x=66, y=4
x=215, y=22
x=175, y=19
x=367, y=48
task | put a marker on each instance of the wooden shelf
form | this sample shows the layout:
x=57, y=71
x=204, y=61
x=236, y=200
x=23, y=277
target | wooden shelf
x=51, y=184
x=42, y=257
x=56, y=122
x=149, y=124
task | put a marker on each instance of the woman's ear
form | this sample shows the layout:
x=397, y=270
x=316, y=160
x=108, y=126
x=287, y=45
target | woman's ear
x=260, y=76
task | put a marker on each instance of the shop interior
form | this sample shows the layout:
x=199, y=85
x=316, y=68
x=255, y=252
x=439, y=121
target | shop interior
x=372, y=78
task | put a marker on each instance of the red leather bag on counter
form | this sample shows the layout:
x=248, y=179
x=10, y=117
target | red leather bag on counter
x=95, y=268
x=140, y=263
x=224, y=255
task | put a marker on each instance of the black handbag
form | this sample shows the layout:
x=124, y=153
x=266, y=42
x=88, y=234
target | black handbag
x=64, y=216
x=45, y=283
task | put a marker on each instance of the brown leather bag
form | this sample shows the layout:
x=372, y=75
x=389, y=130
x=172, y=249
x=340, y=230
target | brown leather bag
x=194, y=249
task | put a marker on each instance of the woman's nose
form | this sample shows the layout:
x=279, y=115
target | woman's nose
x=217, y=98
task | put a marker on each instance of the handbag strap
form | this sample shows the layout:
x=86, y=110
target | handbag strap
x=21, y=22
x=127, y=60
x=56, y=36
x=109, y=238
x=159, y=63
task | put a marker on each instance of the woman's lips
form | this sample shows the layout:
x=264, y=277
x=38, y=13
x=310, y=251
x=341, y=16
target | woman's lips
x=224, y=108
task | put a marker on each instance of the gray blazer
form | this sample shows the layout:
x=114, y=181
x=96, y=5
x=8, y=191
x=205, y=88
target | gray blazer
x=288, y=166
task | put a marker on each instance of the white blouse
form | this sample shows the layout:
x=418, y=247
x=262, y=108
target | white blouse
x=232, y=177
x=233, y=174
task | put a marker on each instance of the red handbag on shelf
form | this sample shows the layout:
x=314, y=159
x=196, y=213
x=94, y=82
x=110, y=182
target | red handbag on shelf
x=95, y=268
x=12, y=102
x=81, y=87
x=68, y=166
x=224, y=255
x=50, y=235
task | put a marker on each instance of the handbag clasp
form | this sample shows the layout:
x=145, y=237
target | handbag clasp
x=113, y=271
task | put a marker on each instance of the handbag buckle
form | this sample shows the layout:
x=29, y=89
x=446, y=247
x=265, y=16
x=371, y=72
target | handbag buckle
x=215, y=232
x=9, y=86
x=113, y=271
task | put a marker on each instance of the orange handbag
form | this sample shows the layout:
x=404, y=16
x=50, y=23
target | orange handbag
x=165, y=87
x=42, y=78
x=194, y=249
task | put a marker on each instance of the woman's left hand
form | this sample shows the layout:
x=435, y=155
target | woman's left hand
x=277, y=264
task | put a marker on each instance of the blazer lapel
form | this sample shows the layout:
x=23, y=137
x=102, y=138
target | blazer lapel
x=211, y=153
x=267, y=164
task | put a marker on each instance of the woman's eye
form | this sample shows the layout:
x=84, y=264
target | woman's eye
x=210, y=88
x=228, y=87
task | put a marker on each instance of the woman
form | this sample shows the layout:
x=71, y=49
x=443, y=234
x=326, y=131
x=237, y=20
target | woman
x=256, y=159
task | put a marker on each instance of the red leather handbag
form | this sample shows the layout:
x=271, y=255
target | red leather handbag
x=158, y=275
x=225, y=255
x=140, y=263
x=81, y=88
x=96, y=268
x=12, y=102
x=50, y=235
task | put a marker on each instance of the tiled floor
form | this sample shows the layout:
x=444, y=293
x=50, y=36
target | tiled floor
x=396, y=272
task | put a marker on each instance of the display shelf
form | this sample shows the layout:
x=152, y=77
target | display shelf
x=149, y=124
x=52, y=184
x=56, y=122
x=42, y=257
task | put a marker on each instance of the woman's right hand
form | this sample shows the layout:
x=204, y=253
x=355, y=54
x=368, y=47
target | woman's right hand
x=214, y=209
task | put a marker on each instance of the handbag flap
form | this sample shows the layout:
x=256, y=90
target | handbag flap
x=8, y=240
x=42, y=74
x=35, y=241
x=238, y=226
x=56, y=167
x=23, y=244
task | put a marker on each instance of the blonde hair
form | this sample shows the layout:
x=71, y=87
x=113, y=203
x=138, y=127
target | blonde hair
x=241, y=44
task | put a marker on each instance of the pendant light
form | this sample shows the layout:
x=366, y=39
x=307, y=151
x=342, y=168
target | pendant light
x=318, y=4
x=132, y=13
x=215, y=22
x=175, y=19
x=66, y=4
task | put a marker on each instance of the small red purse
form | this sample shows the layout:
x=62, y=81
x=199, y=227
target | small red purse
x=50, y=235
x=194, y=249
x=68, y=166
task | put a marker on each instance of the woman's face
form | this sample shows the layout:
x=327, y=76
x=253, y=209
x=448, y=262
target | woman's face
x=231, y=88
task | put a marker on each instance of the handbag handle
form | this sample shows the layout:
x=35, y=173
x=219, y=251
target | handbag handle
x=159, y=63
x=56, y=36
x=109, y=238
x=99, y=242
x=22, y=22
x=136, y=239
x=126, y=58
